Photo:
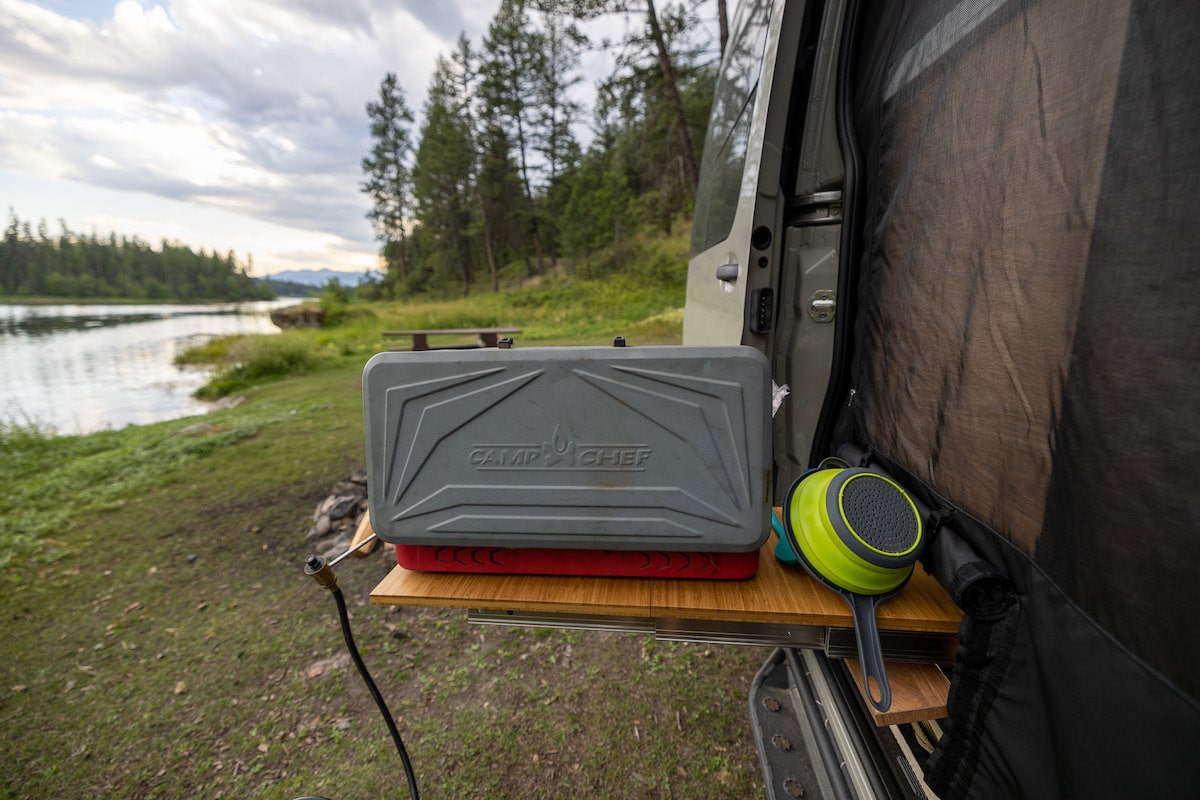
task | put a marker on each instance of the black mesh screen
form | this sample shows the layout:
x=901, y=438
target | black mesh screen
x=1026, y=349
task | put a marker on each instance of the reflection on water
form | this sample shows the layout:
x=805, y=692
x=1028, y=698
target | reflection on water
x=39, y=325
x=81, y=368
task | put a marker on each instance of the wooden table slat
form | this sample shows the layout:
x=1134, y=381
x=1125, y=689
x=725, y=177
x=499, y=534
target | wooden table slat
x=539, y=593
x=786, y=594
x=919, y=691
x=777, y=594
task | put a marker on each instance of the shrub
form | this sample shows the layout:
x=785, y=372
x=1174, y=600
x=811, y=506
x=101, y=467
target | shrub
x=213, y=351
x=255, y=358
x=334, y=299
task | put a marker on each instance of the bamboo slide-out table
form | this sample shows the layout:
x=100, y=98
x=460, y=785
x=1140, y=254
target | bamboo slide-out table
x=780, y=606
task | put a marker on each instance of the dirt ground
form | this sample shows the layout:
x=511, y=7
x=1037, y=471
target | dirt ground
x=181, y=652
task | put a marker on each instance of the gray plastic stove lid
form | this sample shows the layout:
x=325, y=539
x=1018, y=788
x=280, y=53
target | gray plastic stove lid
x=649, y=448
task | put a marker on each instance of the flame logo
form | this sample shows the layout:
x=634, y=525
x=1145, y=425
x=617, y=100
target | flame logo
x=559, y=449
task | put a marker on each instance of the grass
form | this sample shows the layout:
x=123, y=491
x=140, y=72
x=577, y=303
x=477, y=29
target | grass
x=162, y=642
x=249, y=360
x=644, y=303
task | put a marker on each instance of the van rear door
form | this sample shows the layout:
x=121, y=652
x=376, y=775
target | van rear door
x=765, y=240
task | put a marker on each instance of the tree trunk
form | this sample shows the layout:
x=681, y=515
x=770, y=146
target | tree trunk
x=402, y=246
x=617, y=242
x=668, y=73
x=537, y=239
x=487, y=241
x=486, y=225
x=723, y=23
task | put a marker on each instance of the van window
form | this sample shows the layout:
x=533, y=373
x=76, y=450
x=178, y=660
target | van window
x=729, y=126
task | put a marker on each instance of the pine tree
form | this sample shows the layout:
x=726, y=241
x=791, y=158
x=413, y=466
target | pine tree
x=671, y=87
x=500, y=190
x=657, y=101
x=465, y=64
x=600, y=210
x=556, y=111
x=442, y=179
x=513, y=60
x=388, y=179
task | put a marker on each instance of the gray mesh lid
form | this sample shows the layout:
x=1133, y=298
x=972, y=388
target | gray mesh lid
x=651, y=448
x=879, y=514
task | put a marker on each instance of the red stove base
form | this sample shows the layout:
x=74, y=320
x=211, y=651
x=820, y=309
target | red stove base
x=592, y=563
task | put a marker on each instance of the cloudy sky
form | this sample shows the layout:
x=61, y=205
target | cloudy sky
x=229, y=124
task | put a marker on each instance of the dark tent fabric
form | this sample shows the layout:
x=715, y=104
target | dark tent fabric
x=1027, y=354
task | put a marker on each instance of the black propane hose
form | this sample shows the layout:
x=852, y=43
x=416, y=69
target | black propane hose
x=323, y=574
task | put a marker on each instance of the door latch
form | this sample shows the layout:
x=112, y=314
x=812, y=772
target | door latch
x=822, y=306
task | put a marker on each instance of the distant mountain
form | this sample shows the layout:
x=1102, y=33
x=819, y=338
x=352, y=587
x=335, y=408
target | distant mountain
x=318, y=277
x=289, y=288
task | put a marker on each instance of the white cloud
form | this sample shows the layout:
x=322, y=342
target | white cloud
x=252, y=107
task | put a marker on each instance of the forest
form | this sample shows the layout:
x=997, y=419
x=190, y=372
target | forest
x=71, y=265
x=495, y=180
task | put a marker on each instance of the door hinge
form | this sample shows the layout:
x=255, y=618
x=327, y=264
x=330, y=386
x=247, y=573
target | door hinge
x=818, y=208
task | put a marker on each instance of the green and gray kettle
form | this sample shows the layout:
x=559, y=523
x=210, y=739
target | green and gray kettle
x=859, y=533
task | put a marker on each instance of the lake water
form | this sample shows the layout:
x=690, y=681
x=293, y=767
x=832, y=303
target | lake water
x=83, y=368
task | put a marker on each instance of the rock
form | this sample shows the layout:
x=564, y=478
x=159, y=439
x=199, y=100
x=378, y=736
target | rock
x=324, y=506
x=337, y=547
x=343, y=507
x=337, y=516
